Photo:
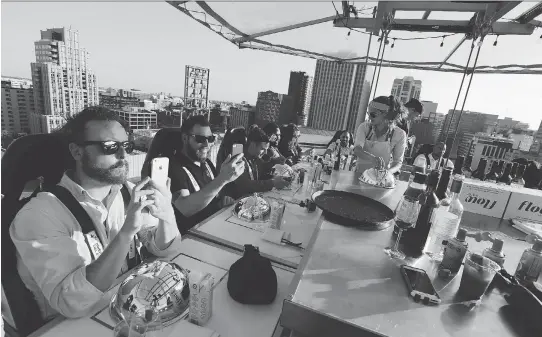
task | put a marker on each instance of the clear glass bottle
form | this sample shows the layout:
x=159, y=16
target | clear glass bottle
x=412, y=194
x=446, y=222
x=416, y=237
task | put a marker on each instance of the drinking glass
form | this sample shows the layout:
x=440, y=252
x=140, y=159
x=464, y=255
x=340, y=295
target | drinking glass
x=394, y=251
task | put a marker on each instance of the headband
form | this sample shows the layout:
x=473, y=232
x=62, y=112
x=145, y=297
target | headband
x=379, y=106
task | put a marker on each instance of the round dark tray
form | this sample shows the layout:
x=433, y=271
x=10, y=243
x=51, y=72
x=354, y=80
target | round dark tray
x=350, y=209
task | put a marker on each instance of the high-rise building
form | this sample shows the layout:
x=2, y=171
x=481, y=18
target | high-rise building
x=308, y=99
x=340, y=95
x=138, y=118
x=470, y=122
x=437, y=120
x=406, y=88
x=241, y=116
x=300, y=89
x=490, y=147
x=17, y=104
x=270, y=106
x=63, y=82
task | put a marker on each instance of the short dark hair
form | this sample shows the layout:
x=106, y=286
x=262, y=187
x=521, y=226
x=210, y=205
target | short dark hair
x=192, y=121
x=74, y=129
x=415, y=104
x=257, y=135
x=271, y=128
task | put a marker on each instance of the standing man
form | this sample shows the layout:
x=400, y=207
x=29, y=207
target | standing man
x=415, y=111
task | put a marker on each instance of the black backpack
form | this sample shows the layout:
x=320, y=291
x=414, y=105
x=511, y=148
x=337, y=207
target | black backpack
x=35, y=161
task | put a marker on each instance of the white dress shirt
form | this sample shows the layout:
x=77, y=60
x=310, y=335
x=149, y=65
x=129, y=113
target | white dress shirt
x=52, y=253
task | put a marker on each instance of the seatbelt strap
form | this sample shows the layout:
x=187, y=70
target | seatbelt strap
x=93, y=241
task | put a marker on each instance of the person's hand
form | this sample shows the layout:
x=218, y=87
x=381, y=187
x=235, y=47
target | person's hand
x=280, y=183
x=226, y=201
x=378, y=163
x=232, y=168
x=162, y=208
x=140, y=199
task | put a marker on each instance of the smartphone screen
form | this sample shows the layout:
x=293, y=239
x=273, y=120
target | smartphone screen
x=419, y=280
x=237, y=149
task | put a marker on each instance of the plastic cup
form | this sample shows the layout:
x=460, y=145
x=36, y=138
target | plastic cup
x=478, y=272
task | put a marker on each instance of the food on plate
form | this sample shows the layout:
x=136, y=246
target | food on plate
x=252, y=208
x=378, y=178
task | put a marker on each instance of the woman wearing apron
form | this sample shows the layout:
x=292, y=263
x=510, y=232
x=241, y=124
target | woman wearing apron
x=379, y=143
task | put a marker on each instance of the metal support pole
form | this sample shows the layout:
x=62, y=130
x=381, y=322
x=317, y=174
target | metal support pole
x=367, y=64
x=381, y=59
x=377, y=57
x=468, y=88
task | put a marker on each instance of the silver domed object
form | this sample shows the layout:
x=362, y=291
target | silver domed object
x=161, y=285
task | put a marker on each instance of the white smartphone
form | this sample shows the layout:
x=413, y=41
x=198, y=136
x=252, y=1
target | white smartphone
x=237, y=149
x=159, y=170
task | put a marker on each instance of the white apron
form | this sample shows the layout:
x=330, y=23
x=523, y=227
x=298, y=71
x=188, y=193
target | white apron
x=376, y=148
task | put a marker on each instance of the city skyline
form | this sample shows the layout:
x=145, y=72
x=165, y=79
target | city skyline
x=126, y=54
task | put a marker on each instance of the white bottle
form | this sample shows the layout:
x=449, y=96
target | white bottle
x=446, y=222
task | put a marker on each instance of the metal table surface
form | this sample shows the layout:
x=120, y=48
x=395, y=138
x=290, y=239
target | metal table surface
x=346, y=285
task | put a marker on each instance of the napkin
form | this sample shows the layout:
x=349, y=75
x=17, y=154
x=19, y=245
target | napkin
x=273, y=235
x=185, y=328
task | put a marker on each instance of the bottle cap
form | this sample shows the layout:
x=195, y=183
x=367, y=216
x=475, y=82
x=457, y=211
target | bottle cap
x=537, y=247
x=461, y=234
x=420, y=178
x=497, y=245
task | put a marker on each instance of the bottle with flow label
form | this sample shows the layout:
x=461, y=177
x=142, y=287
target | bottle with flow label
x=454, y=252
x=530, y=264
x=495, y=253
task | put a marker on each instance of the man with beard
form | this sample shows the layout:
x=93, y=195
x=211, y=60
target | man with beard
x=252, y=181
x=415, y=111
x=195, y=184
x=67, y=270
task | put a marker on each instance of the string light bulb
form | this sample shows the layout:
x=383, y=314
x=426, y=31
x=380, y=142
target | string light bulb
x=393, y=43
x=379, y=39
x=350, y=31
x=495, y=43
x=387, y=42
x=442, y=43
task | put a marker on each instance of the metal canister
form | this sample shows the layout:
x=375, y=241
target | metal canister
x=301, y=177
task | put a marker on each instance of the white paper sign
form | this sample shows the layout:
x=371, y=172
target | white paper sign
x=525, y=206
x=485, y=199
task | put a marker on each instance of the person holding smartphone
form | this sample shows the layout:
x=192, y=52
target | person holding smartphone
x=195, y=184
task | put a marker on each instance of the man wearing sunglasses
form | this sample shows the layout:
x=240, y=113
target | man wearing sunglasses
x=67, y=269
x=195, y=184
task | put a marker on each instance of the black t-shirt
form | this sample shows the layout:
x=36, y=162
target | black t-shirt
x=180, y=180
x=405, y=126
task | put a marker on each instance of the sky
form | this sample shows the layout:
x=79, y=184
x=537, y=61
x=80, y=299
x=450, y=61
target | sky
x=146, y=45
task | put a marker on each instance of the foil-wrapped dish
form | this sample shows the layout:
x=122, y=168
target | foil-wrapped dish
x=252, y=208
x=159, y=286
x=378, y=178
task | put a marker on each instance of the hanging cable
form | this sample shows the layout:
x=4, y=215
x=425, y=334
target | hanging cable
x=450, y=120
x=496, y=39
x=380, y=65
x=442, y=43
x=377, y=58
x=393, y=43
x=466, y=93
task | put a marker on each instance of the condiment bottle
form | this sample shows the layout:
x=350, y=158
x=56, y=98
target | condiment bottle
x=495, y=252
x=454, y=252
x=530, y=264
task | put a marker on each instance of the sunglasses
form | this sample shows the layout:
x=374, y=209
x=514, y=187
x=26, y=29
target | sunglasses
x=110, y=146
x=201, y=139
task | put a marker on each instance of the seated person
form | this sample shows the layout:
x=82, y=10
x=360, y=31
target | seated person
x=342, y=143
x=69, y=271
x=195, y=184
x=289, y=144
x=435, y=159
x=532, y=175
x=233, y=136
x=250, y=182
x=273, y=155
